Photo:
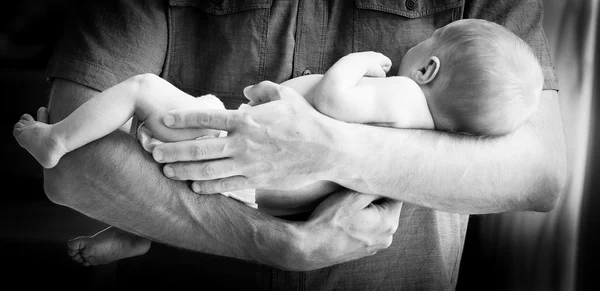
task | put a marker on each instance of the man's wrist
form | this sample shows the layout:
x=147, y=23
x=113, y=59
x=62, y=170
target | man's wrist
x=345, y=151
x=340, y=153
x=299, y=251
x=281, y=245
x=296, y=244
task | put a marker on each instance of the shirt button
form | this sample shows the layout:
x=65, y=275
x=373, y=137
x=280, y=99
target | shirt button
x=306, y=72
x=411, y=4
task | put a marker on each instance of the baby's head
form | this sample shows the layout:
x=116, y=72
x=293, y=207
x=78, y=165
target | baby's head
x=478, y=77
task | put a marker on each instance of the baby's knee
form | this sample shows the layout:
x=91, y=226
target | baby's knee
x=145, y=84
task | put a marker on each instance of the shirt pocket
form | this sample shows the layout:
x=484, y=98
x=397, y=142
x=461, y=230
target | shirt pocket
x=394, y=26
x=217, y=46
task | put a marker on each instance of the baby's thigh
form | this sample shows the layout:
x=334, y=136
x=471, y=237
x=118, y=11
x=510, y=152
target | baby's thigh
x=277, y=202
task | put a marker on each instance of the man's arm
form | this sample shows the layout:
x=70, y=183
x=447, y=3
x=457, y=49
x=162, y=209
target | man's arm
x=521, y=171
x=115, y=181
x=525, y=170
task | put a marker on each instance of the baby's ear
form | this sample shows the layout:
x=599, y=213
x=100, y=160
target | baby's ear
x=427, y=72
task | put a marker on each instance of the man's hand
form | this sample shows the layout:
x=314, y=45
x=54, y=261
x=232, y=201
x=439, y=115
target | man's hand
x=283, y=144
x=347, y=226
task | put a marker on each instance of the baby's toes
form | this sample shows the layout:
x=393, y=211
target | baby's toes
x=76, y=244
x=77, y=258
x=26, y=118
x=42, y=114
x=89, y=257
x=87, y=252
x=72, y=252
x=18, y=128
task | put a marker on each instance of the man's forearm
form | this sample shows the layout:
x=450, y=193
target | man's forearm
x=521, y=171
x=115, y=181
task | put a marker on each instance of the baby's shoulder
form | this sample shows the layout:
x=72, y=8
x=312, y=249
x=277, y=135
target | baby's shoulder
x=405, y=85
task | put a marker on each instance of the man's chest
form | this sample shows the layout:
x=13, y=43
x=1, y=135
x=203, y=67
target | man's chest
x=219, y=47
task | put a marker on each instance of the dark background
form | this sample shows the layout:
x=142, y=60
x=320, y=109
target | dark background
x=34, y=231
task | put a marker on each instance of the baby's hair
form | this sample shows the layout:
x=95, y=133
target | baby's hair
x=489, y=80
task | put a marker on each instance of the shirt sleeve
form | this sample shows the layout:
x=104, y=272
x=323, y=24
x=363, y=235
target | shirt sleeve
x=524, y=18
x=106, y=42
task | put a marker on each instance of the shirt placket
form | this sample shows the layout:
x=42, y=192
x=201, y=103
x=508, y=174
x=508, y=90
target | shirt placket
x=310, y=37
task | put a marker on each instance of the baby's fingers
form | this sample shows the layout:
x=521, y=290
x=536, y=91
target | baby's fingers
x=42, y=114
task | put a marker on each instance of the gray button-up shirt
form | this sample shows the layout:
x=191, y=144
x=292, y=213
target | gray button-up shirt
x=219, y=47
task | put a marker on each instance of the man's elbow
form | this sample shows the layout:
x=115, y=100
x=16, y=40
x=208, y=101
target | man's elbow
x=56, y=186
x=551, y=187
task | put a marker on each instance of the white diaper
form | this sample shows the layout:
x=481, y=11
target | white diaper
x=149, y=142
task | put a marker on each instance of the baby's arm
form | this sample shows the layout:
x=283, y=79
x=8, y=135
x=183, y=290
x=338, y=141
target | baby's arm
x=346, y=94
x=337, y=94
x=147, y=97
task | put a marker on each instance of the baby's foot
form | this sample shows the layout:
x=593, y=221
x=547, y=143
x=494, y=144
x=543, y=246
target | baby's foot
x=107, y=246
x=37, y=139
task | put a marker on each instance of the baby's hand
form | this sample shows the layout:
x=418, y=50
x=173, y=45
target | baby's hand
x=377, y=63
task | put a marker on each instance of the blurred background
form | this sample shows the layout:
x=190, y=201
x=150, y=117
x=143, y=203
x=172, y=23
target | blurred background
x=510, y=251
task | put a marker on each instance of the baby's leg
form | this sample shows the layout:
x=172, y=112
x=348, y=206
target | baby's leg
x=107, y=246
x=37, y=138
x=147, y=96
x=96, y=118
x=278, y=202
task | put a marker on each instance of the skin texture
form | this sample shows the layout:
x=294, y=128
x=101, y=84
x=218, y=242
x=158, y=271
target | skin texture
x=524, y=170
x=115, y=181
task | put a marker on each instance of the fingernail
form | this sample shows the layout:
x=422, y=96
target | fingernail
x=158, y=155
x=246, y=89
x=168, y=171
x=169, y=120
x=195, y=188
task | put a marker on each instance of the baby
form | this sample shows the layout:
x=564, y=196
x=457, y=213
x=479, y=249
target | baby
x=471, y=77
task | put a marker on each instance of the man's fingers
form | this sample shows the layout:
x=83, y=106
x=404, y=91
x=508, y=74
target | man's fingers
x=360, y=200
x=192, y=118
x=193, y=150
x=391, y=213
x=394, y=206
x=202, y=171
x=221, y=185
